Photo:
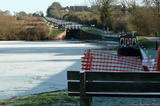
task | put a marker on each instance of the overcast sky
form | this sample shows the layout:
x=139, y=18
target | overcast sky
x=31, y=6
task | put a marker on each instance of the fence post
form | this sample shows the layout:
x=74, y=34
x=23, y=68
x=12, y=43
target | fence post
x=158, y=64
x=88, y=57
x=89, y=60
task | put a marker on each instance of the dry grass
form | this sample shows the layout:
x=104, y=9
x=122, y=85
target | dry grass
x=23, y=28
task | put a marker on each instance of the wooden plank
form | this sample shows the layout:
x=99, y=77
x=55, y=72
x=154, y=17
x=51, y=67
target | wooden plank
x=115, y=87
x=73, y=75
x=124, y=94
x=122, y=87
x=123, y=76
x=116, y=76
x=74, y=86
x=73, y=93
x=118, y=94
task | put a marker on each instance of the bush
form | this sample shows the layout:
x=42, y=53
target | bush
x=37, y=33
x=26, y=28
x=7, y=27
x=20, y=18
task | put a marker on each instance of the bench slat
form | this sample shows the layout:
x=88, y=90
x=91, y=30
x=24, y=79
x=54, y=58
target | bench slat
x=123, y=76
x=118, y=94
x=116, y=76
x=73, y=75
x=115, y=87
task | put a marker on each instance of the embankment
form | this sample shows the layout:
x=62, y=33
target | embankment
x=60, y=36
x=86, y=35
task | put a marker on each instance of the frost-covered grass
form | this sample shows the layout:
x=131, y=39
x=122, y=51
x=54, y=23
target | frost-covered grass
x=145, y=42
x=148, y=46
x=59, y=98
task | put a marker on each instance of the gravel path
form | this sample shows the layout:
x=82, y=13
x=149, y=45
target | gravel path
x=120, y=101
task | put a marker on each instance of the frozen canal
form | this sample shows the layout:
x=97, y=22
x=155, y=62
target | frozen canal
x=35, y=67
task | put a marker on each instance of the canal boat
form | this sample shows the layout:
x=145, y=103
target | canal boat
x=128, y=46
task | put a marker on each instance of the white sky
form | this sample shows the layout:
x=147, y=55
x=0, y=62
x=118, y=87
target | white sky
x=31, y=6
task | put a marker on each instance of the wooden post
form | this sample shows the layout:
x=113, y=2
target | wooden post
x=156, y=45
x=158, y=64
x=90, y=101
x=84, y=101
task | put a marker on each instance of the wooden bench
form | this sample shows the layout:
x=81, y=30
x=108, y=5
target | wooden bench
x=112, y=84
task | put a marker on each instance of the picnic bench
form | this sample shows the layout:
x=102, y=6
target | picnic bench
x=112, y=84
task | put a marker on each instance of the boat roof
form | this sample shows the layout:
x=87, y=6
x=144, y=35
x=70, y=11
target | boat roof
x=128, y=36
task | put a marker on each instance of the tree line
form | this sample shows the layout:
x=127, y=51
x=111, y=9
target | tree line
x=119, y=15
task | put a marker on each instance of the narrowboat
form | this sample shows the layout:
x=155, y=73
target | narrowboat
x=128, y=46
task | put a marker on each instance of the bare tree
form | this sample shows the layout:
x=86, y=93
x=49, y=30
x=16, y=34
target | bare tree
x=104, y=8
x=157, y=4
x=148, y=3
x=100, y=3
x=129, y=3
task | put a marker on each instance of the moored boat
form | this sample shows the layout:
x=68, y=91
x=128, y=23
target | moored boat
x=128, y=46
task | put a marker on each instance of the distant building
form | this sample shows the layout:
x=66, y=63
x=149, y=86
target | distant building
x=79, y=8
x=94, y=7
x=66, y=9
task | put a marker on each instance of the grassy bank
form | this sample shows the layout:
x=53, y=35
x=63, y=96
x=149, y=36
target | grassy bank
x=56, y=32
x=149, y=47
x=23, y=28
x=145, y=42
x=59, y=98
x=93, y=31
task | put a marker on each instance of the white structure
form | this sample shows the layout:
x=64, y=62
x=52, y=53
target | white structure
x=73, y=26
x=64, y=10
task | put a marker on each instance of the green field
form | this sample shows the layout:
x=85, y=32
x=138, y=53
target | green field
x=83, y=12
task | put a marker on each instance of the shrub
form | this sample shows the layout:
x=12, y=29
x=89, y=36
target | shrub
x=23, y=28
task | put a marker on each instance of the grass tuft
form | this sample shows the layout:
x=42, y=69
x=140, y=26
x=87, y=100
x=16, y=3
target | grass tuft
x=59, y=98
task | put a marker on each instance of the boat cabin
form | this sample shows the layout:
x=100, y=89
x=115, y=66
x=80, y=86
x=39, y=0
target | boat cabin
x=128, y=41
x=128, y=46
